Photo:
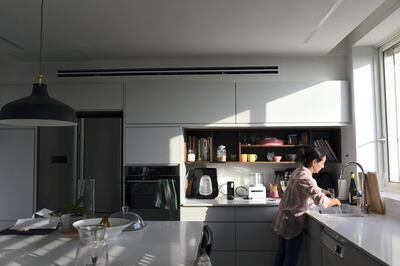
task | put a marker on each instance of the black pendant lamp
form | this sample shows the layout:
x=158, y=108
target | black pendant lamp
x=38, y=109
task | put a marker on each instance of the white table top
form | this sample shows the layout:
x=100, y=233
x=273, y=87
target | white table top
x=161, y=243
x=378, y=235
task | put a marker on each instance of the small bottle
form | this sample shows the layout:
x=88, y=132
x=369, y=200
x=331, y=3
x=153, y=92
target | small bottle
x=353, y=190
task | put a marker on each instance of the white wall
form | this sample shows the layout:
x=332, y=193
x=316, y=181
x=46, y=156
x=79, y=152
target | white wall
x=313, y=68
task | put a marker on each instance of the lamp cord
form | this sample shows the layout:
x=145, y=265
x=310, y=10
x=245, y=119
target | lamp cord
x=41, y=40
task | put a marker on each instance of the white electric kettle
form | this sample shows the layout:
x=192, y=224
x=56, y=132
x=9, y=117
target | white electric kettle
x=205, y=186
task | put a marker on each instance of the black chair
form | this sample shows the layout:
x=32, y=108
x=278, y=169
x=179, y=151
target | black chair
x=206, y=239
x=205, y=246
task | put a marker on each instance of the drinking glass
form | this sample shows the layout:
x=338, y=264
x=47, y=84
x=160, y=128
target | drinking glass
x=92, y=247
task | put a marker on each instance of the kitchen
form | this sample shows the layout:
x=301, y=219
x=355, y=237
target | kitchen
x=324, y=54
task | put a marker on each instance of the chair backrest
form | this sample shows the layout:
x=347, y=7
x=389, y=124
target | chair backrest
x=206, y=239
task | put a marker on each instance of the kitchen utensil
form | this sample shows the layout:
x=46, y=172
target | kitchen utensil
x=230, y=190
x=252, y=157
x=111, y=233
x=270, y=155
x=205, y=187
x=290, y=157
x=273, y=191
x=373, y=196
x=277, y=158
x=292, y=139
x=137, y=221
x=271, y=141
x=243, y=157
x=258, y=178
x=205, y=183
x=343, y=193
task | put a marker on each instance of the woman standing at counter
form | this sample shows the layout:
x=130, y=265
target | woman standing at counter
x=301, y=192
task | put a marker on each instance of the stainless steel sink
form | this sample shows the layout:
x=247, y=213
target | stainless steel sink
x=345, y=210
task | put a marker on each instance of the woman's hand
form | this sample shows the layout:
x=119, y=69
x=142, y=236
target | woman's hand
x=334, y=202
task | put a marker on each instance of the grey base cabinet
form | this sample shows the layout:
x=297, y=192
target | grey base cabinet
x=242, y=235
x=354, y=256
x=254, y=258
x=312, y=245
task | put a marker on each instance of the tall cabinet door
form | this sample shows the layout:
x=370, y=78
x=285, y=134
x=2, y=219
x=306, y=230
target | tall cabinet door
x=17, y=164
x=286, y=102
x=152, y=145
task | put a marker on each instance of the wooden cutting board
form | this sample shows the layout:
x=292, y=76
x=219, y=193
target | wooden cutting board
x=374, y=199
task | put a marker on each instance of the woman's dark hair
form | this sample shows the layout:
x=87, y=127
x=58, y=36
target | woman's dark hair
x=308, y=155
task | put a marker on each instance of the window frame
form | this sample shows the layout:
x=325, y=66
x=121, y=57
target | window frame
x=382, y=130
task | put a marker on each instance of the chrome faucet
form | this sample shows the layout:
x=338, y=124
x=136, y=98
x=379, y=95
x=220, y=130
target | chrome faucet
x=364, y=204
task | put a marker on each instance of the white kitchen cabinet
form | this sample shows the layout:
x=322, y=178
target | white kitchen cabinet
x=17, y=175
x=152, y=145
x=288, y=102
x=89, y=97
x=180, y=103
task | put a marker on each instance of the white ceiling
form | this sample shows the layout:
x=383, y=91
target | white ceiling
x=126, y=29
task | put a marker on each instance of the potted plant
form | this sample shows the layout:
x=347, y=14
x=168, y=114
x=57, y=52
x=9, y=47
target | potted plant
x=73, y=213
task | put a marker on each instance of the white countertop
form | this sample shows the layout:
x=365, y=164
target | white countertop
x=158, y=244
x=223, y=202
x=378, y=235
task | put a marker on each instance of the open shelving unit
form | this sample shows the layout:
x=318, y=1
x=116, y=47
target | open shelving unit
x=246, y=141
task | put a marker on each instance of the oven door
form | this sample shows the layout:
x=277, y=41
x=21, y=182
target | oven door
x=141, y=194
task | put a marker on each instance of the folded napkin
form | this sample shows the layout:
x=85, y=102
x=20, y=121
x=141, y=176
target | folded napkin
x=45, y=213
x=36, y=223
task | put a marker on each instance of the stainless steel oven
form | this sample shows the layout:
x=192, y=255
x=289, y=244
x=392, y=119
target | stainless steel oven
x=152, y=191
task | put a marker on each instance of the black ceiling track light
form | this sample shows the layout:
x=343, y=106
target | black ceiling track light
x=38, y=109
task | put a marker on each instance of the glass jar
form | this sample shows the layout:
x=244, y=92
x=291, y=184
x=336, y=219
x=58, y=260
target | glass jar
x=191, y=157
x=92, y=247
x=221, y=153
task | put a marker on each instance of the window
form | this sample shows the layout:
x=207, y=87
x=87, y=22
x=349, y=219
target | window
x=390, y=58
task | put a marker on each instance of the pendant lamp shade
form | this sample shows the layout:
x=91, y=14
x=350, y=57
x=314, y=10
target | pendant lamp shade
x=38, y=109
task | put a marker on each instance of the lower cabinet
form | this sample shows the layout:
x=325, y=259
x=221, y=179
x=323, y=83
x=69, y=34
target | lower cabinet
x=254, y=258
x=312, y=252
x=354, y=256
x=242, y=235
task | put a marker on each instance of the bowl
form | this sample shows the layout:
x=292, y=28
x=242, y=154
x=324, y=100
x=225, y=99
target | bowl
x=117, y=225
x=290, y=157
x=277, y=158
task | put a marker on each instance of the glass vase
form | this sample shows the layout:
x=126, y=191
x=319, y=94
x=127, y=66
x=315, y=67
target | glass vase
x=86, y=193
